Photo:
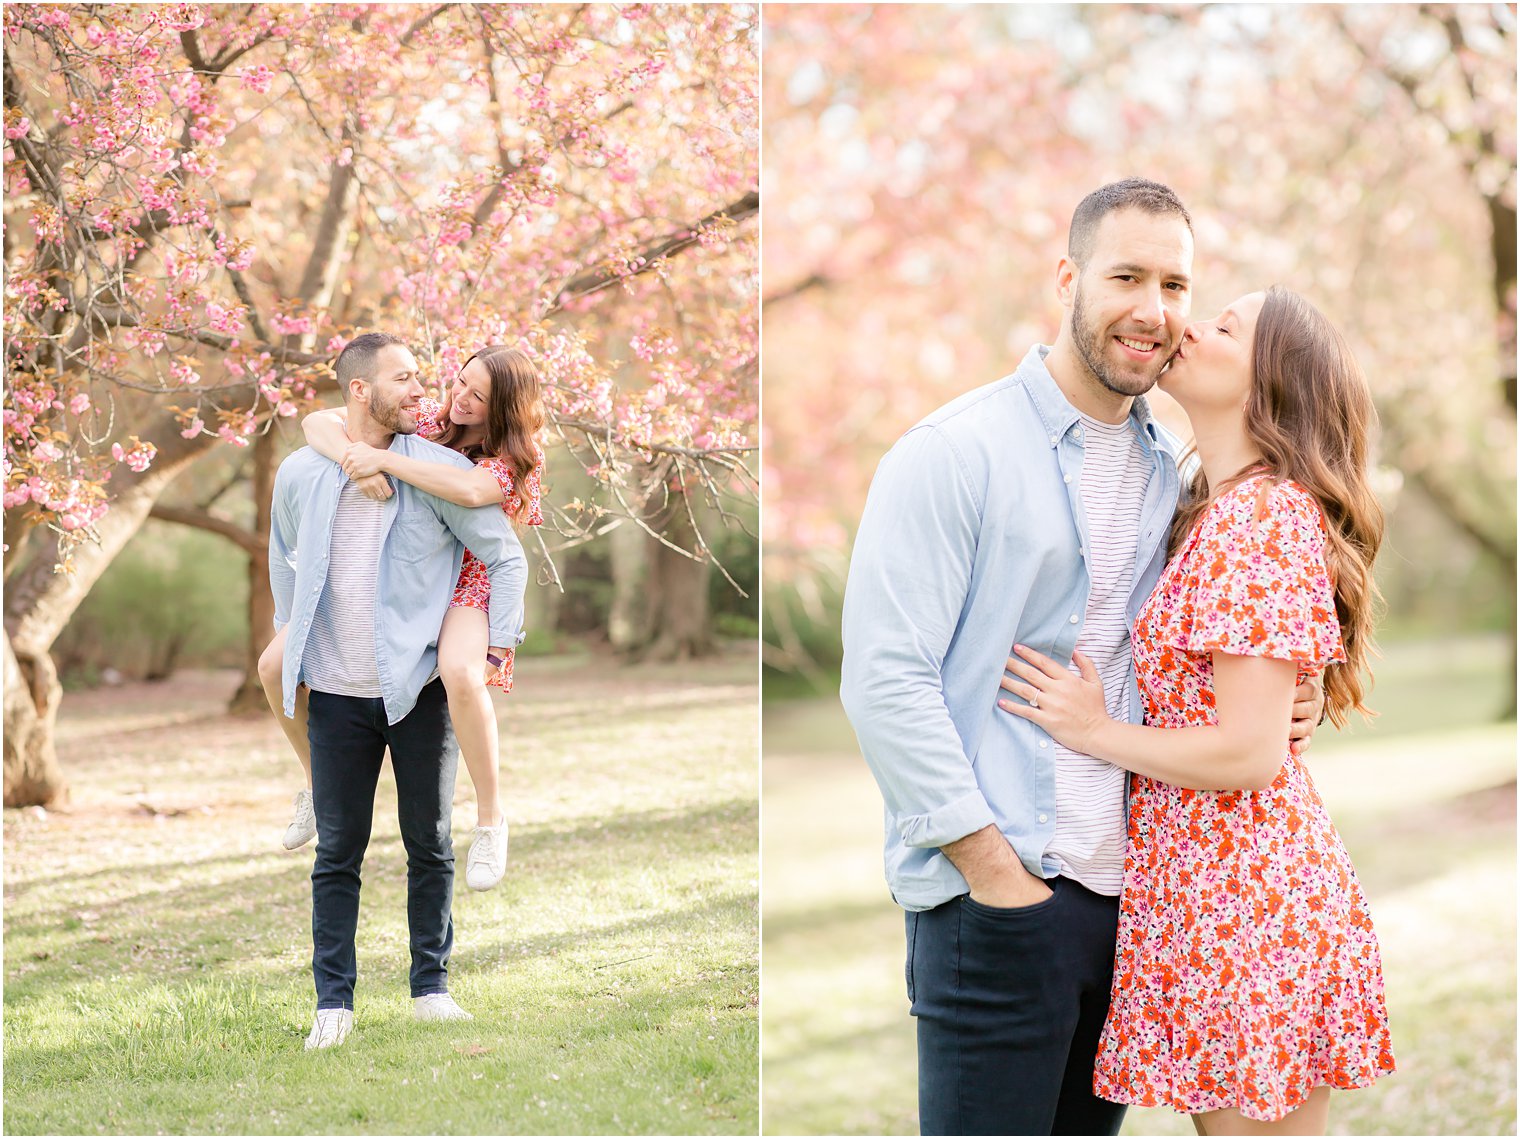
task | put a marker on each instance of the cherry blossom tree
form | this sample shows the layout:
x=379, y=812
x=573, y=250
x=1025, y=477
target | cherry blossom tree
x=924, y=162
x=204, y=202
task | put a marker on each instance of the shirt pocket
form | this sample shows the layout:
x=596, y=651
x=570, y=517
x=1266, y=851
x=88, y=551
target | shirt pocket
x=418, y=536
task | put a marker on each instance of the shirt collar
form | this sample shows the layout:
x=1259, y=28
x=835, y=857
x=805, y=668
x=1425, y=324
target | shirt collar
x=1056, y=412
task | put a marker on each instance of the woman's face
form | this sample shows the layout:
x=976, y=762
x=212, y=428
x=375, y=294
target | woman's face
x=471, y=393
x=1211, y=370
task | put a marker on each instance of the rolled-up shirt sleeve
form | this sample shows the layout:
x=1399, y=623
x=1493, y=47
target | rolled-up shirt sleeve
x=910, y=573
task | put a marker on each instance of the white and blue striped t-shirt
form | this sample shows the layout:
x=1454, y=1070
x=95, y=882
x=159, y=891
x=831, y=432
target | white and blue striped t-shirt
x=1090, y=824
x=340, y=651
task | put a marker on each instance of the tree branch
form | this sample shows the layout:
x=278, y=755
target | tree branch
x=204, y=520
x=601, y=431
x=422, y=22
x=120, y=318
x=788, y=292
x=1448, y=504
x=325, y=246
x=190, y=45
x=222, y=62
x=593, y=280
x=154, y=222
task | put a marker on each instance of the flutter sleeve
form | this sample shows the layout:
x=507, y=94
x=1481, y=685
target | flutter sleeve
x=1257, y=583
x=528, y=507
x=429, y=417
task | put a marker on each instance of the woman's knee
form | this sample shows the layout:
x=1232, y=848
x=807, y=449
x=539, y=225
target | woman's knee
x=461, y=679
x=272, y=663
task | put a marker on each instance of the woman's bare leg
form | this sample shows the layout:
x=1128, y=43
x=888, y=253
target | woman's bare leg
x=462, y=645
x=271, y=668
x=303, y=825
x=1312, y=1117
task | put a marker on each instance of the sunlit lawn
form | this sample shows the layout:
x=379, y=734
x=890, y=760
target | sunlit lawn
x=157, y=937
x=1425, y=801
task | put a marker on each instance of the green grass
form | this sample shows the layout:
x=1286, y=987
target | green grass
x=1424, y=798
x=157, y=939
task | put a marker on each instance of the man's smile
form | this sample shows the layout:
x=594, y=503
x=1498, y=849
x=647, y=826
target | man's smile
x=1142, y=347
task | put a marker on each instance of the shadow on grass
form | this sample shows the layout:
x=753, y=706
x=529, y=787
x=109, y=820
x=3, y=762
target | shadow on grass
x=525, y=840
x=79, y=737
x=144, y=931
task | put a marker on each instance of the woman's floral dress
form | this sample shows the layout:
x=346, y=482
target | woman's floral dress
x=474, y=587
x=1246, y=972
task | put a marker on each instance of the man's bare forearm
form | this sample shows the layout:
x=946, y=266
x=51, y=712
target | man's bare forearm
x=993, y=871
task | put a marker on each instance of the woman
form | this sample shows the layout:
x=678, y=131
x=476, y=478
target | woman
x=493, y=411
x=1247, y=980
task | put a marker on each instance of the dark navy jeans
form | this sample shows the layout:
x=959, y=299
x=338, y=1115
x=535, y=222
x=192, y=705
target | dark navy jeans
x=1010, y=1006
x=348, y=737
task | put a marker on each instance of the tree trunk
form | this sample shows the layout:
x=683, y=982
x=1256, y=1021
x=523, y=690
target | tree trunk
x=627, y=615
x=680, y=620
x=38, y=604
x=32, y=695
x=249, y=699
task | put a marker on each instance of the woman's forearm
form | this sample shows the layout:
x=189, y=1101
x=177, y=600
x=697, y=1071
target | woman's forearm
x=1203, y=758
x=326, y=433
x=475, y=487
x=1243, y=750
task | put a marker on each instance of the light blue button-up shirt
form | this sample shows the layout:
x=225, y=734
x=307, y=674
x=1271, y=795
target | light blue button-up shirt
x=421, y=551
x=970, y=542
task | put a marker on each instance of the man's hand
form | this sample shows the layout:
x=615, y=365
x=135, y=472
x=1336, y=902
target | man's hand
x=993, y=871
x=360, y=460
x=1308, y=710
x=377, y=487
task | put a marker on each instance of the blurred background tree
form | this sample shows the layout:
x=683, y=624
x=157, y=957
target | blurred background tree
x=204, y=202
x=922, y=167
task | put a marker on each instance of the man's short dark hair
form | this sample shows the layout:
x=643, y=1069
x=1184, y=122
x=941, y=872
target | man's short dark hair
x=357, y=360
x=1132, y=193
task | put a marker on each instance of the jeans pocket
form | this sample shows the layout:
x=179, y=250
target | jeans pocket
x=1015, y=913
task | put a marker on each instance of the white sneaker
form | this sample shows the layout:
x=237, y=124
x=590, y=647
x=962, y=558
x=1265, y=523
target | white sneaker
x=330, y=1027
x=488, y=857
x=302, y=828
x=438, y=1006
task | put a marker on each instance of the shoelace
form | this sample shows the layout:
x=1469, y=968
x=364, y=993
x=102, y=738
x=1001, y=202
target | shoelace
x=484, y=845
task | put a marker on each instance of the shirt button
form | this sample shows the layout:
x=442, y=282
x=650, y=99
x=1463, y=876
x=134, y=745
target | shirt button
x=1052, y=440
x=1073, y=618
x=1044, y=743
x=1081, y=551
x=1044, y=817
x=1076, y=433
x=1066, y=478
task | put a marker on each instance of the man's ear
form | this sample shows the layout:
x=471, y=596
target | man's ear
x=1067, y=272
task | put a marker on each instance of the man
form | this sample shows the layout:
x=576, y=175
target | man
x=364, y=586
x=1033, y=510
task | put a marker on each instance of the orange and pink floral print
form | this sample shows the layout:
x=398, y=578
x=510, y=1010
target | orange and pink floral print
x=1247, y=972
x=474, y=588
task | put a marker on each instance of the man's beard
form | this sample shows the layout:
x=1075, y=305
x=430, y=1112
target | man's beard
x=1090, y=344
x=388, y=415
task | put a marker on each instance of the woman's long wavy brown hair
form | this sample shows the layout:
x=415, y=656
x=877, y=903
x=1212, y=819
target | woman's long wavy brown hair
x=1310, y=413
x=514, y=415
